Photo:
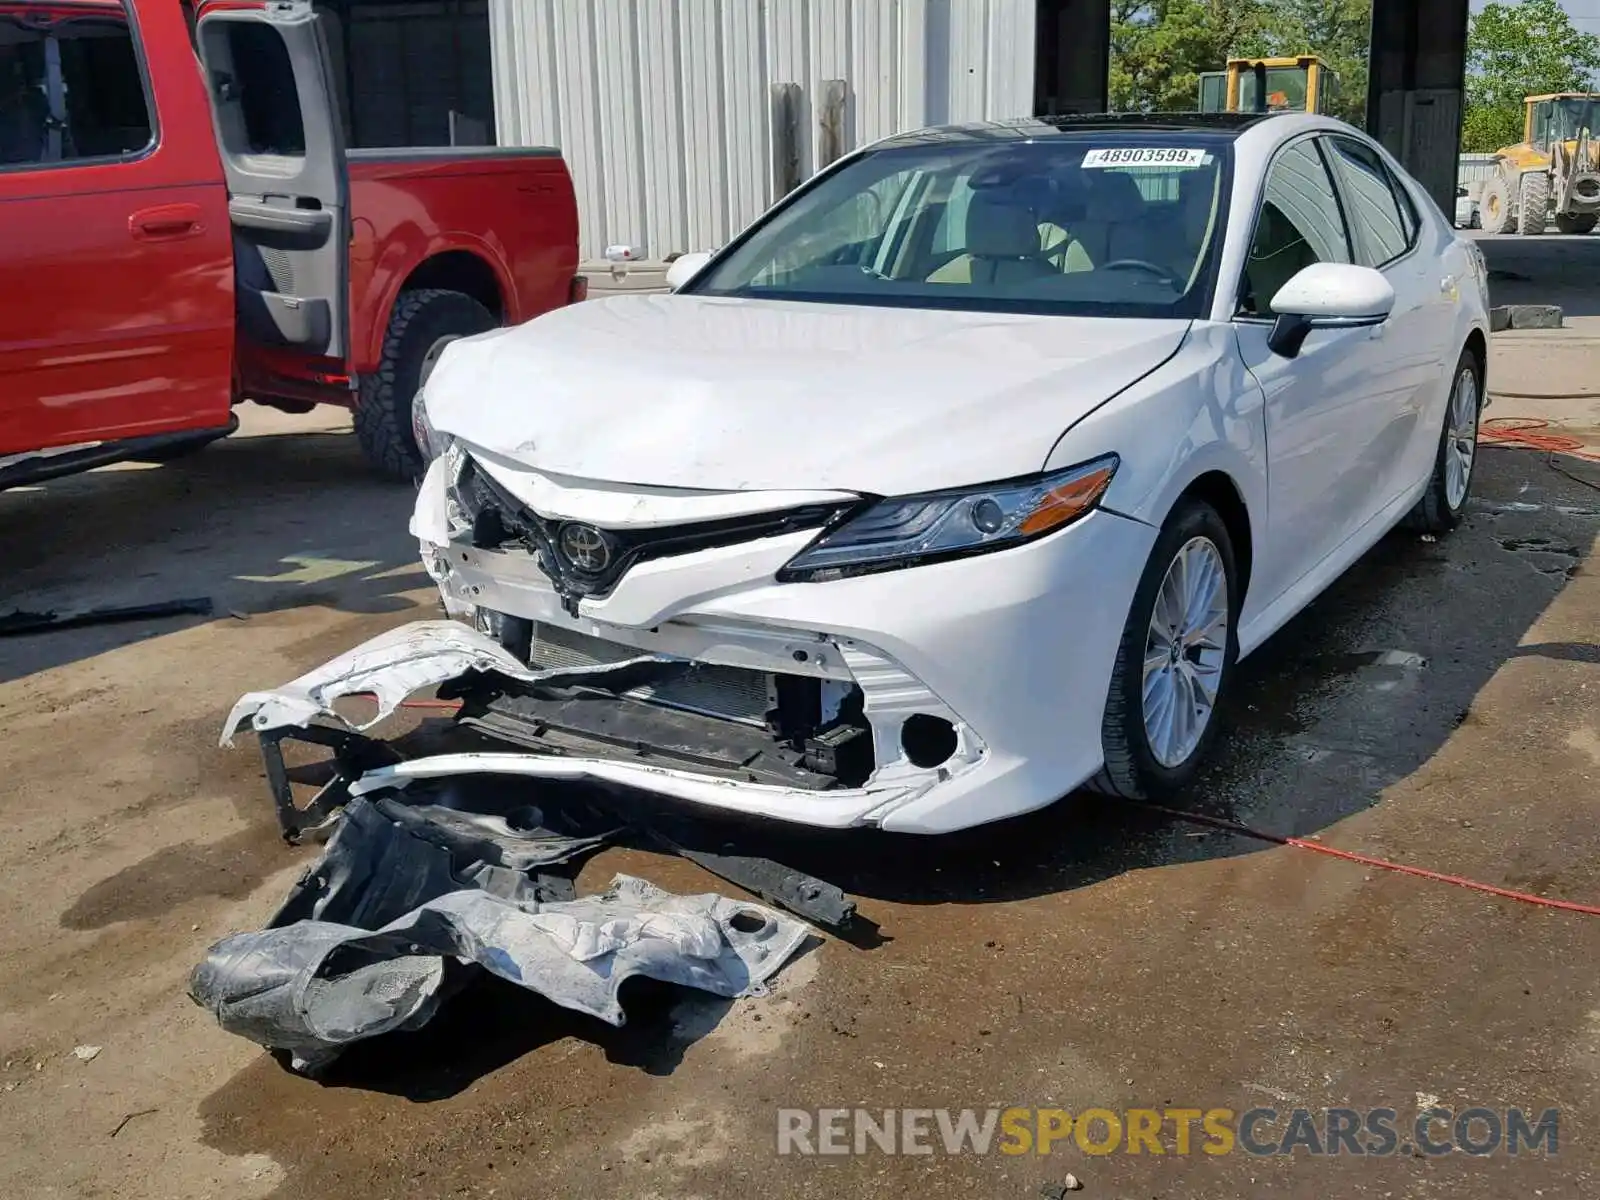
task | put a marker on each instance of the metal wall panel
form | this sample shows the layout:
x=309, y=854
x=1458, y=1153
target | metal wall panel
x=663, y=111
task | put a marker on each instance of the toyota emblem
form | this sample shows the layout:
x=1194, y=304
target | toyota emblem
x=586, y=548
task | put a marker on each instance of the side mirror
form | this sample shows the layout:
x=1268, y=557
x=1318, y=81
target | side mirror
x=685, y=267
x=1328, y=296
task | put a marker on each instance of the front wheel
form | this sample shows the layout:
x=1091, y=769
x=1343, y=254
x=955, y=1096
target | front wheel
x=1175, y=659
x=1441, y=506
x=1533, y=203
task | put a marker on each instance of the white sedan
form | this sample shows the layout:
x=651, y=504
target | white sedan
x=964, y=476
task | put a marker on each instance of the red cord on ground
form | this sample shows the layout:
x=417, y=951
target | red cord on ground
x=1519, y=431
x=1367, y=860
x=1236, y=827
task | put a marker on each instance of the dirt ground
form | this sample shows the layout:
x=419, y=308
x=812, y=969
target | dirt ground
x=1087, y=955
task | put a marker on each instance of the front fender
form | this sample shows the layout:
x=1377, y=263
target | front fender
x=1201, y=412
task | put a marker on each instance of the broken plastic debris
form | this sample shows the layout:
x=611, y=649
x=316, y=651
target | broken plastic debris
x=391, y=667
x=368, y=941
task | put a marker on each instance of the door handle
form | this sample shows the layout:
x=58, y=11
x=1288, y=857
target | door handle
x=165, y=222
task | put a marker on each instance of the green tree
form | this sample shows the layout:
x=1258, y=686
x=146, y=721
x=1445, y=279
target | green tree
x=1516, y=50
x=1159, y=48
x=1337, y=31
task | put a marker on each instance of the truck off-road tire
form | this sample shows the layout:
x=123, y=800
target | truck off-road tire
x=1576, y=222
x=1180, y=640
x=1441, y=506
x=1533, y=203
x=423, y=323
x=1497, y=210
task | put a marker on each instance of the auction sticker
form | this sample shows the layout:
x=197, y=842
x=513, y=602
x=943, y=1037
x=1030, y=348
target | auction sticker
x=1145, y=156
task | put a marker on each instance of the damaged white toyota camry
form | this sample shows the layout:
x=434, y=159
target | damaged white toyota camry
x=960, y=479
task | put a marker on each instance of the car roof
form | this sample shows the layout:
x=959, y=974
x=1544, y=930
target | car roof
x=1227, y=125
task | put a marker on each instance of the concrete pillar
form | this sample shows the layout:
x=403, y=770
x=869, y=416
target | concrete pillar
x=1072, y=56
x=1414, y=88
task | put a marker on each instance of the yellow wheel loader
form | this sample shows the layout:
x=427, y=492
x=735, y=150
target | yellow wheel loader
x=1300, y=84
x=1554, y=170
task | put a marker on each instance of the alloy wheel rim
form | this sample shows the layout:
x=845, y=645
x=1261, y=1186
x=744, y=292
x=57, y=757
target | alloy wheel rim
x=1185, y=648
x=1461, y=445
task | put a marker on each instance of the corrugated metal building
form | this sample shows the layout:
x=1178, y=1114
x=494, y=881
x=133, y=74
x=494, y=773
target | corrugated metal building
x=682, y=120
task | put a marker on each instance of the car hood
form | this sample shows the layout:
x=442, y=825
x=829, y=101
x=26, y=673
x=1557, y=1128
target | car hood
x=728, y=394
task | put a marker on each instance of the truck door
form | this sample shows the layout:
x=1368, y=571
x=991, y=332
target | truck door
x=115, y=277
x=269, y=74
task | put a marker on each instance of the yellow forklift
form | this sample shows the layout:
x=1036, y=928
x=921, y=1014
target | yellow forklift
x=1303, y=83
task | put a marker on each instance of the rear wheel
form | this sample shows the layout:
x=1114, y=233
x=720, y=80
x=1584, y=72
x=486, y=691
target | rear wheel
x=1575, y=222
x=1496, y=213
x=1175, y=658
x=1533, y=203
x=424, y=322
x=1441, y=506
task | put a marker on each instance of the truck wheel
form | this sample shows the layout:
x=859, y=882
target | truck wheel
x=1575, y=222
x=1496, y=210
x=423, y=323
x=1533, y=203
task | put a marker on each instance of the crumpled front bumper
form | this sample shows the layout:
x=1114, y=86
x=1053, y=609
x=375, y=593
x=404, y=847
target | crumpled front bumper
x=424, y=654
x=1013, y=651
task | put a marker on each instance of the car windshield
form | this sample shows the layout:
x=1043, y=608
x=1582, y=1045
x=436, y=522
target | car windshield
x=1102, y=223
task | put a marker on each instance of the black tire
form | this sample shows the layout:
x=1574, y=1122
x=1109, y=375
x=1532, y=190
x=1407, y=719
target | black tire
x=1434, y=513
x=1497, y=211
x=1575, y=222
x=422, y=323
x=1131, y=769
x=1533, y=204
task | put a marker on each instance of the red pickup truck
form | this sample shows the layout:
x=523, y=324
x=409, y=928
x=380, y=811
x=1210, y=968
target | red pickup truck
x=181, y=227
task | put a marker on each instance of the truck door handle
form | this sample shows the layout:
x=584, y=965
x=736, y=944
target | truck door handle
x=165, y=222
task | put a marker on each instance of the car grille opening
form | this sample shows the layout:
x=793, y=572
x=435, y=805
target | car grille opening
x=731, y=693
x=756, y=726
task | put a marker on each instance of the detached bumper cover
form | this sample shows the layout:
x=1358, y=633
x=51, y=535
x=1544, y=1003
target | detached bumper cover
x=370, y=939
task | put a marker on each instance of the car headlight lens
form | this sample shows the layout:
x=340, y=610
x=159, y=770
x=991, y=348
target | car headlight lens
x=903, y=531
x=429, y=440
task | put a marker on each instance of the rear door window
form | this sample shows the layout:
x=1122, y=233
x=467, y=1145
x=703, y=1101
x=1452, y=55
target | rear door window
x=71, y=89
x=1385, y=223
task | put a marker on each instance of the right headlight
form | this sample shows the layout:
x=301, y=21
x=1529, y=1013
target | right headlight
x=904, y=531
x=429, y=440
